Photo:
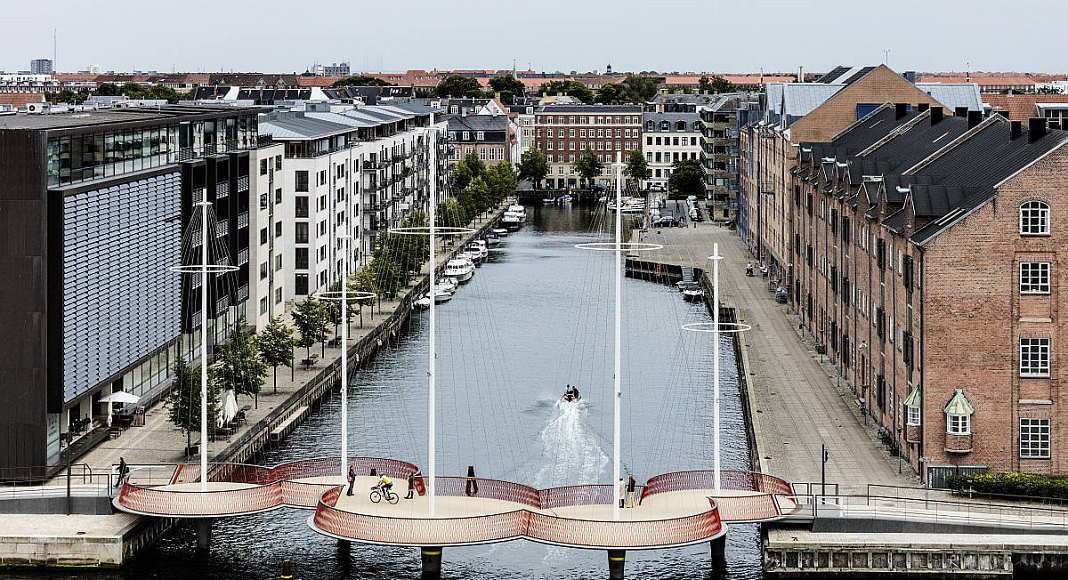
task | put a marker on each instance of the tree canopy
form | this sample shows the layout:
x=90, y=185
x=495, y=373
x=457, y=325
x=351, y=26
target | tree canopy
x=509, y=87
x=459, y=86
x=362, y=81
x=238, y=364
x=533, y=167
x=639, y=89
x=637, y=168
x=611, y=94
x=275, y=343
x=718, y=84
x=687, y=177
x=569, y=88
x=312, y=320
x=588, y=166
x=184, y=399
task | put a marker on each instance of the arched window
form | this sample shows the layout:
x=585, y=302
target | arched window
x=680, y=125
x=649, y=125
x=1034, y=219
x=665, y=126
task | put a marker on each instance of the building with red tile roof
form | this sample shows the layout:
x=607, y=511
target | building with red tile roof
x=1023, y=107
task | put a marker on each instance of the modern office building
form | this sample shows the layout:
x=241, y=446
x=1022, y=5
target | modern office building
x=93, y=209
x=355, y=170
x=41, y=66
x=563, y=132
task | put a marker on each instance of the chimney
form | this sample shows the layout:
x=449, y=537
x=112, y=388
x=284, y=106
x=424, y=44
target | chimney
x=1015, y=130
x=1036, y=129
x=900, y=110
x=974, y=118
x=910, y=76
x=936, y=115
x=960, y=112
x=1002, y=113
x=923, y=107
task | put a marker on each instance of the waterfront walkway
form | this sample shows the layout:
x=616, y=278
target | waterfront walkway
x=795, y=403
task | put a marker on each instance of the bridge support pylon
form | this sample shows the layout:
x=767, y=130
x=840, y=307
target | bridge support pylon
x=203, y=535
x=719, y=552
x=431, y=558
x=617, y=560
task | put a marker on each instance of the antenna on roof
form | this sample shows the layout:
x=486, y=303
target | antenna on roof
x=886, y=56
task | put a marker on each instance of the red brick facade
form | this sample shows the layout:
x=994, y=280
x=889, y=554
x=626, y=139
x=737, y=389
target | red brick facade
x=563, y=132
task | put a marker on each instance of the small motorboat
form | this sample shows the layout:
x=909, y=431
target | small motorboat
x=474, y=254
x=483, y=248
x=501, y=232
x=571, y=393
x=460, y=268
x=492, y=239
x=511, y=221
x=693, y=294
x=423, y=303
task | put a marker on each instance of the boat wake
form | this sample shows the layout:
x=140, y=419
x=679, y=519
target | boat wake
x=571, y=452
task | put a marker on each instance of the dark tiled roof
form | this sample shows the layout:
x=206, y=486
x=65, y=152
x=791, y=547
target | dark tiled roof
x=478, y=123
x=590, y=109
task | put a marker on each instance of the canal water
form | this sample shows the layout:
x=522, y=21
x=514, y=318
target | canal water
x=536, y=317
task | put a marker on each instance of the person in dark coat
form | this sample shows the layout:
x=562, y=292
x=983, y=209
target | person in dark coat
x=352, y=479
x=471, y=486
x=411, y=486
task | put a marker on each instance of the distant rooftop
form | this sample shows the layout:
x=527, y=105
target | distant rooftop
x=88, y=118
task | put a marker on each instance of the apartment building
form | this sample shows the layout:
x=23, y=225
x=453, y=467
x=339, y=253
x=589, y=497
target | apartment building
x=490, y=137
x=93, y=207
x=562, y=132
x=669, y=137
x=346, y=170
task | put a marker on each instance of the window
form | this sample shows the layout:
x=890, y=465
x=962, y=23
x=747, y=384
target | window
x=263, y=305
x=1034, y=277
x=277, y=295
x=301, y=232
x=466, y=136
x=301, y=259
x=1034, y=219
x=300, y=207
x=480, y=136
x=1034, y=438
x=1034, y=357
x=912, y=415
x=263, y=235
x=263, y=270
x=263, y=167
x=277, y=229
x=301, y=180
x=301, y=284
x=263, y=201
x=959, y=424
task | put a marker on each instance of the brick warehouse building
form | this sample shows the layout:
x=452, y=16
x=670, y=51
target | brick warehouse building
x=562, y=132
x=924, y=256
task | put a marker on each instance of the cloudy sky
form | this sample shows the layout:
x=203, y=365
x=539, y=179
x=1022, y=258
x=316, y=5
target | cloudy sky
x=632, y=35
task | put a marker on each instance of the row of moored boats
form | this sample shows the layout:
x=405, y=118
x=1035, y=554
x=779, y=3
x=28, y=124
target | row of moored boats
x=461, y=269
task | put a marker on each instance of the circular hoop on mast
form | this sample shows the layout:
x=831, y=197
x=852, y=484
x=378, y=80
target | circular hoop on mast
x=203, y=269
x=623, y=247
x=427, y=230
x=344, y=295
x=724, y=327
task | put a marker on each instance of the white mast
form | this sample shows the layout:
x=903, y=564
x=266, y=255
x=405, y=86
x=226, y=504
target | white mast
x=431, y=410
x=204, y=341
x=344, y=357
x=715, y=363
x=617, y=374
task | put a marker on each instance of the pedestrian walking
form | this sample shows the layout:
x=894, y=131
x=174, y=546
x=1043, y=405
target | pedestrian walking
x=622, y=492
x=411, y=486
x=352, y=478
x=632, y=491
x=123, y=470
x=471, y=485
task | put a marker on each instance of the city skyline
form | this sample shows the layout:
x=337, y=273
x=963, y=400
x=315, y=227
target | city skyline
x=556, y=36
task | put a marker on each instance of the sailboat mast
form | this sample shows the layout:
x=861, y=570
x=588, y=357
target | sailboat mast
x=618, y=370
x=431, y=394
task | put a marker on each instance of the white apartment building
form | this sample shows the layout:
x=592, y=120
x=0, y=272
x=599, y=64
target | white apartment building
x=345, y=169
x=669, y=137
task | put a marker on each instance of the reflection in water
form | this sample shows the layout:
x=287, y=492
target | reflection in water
x=536, y=317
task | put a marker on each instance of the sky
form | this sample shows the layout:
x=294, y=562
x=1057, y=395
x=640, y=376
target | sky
x=632, y=35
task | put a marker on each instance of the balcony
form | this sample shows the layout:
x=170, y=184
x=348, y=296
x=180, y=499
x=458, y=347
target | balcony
x=242, y=257
x=242, y=220
x=242, y=293
x=222, y=189
x=242, y=183
x=222, y=228
x=958, y=444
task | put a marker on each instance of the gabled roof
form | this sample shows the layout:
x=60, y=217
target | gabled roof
x=953, y=95
x=959, y=404
x=478, y=123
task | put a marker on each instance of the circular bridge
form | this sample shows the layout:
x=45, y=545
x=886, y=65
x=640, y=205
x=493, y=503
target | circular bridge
x=673, y=509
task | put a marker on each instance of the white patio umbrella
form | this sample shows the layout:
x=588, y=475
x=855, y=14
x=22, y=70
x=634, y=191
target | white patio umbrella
x=118, y=397
x=229, y=408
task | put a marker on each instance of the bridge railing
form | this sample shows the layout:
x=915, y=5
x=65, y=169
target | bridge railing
x=931, y=510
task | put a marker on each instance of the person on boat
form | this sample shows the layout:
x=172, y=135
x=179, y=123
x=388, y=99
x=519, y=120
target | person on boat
x=749, y=269
x=385, y=483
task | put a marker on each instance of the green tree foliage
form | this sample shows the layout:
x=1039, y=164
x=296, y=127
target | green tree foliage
x=238, y=363
x=509, y=87
x=501, y=182
x=637, y=89
x=611, y=94
x=533, y=167
x=69, y=97
x=717, y=84
x=362, y=81
x=451, y=214
x=588, y=166
x=687, y=177
x=108, y=90
x=388, y=276
x=637, y=168
x=138, y=91
x=467, y=170
x=312, y=320
x=458, y=86
x=275, y=343
x=184, y=400
x=569, y=88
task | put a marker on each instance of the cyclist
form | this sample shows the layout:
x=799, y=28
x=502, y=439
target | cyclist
x=385, y=484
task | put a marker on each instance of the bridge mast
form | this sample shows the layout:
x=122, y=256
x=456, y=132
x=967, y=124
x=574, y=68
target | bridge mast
x=617, y=374
x=431, y=380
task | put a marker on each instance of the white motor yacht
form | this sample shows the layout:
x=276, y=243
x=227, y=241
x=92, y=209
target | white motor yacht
x=474, y=254
x=501, y=232
x=511, y=221
x=492, y=239
x=460, y=268
x=482, y=246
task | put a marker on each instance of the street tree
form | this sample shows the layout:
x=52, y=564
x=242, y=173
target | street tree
x=637, y=168
x=500, y=179
x=533, y=167
x=312, y=321
x=509, y=88
x=238, y=363
x=275, y=343
x=466, y=171
x=588, y=166
x=459, y=87
x=638, y=89
x=717, y=84
x=687, y=177
x=184, y=401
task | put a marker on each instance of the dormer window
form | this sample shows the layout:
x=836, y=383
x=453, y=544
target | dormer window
x=649, y=125
x=912, y=408
x=959, y=411
x=1034, y=219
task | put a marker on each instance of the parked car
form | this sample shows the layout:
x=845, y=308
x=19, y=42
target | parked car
x=667, y=221
x=695, y=215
